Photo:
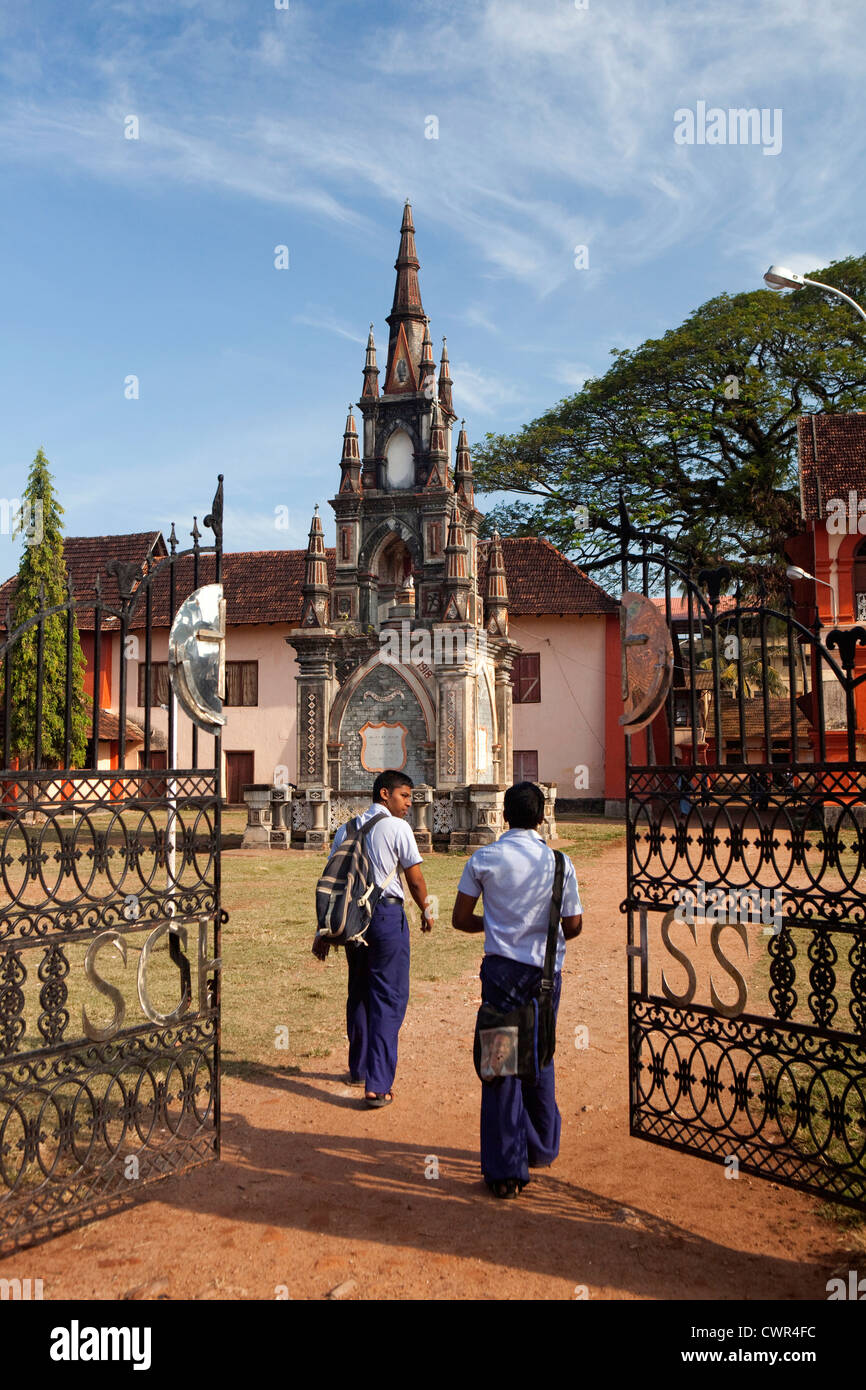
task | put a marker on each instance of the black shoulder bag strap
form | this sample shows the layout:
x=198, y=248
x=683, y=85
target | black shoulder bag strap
x=553, y=924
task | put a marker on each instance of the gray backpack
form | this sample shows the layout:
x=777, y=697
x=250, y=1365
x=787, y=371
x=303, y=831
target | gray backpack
x=346, y=894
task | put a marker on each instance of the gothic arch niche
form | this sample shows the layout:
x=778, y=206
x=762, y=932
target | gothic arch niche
x=382, y=710
x=390, y=555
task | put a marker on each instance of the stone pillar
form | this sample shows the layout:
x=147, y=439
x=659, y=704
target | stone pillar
x=548, y=828
x=281, y=819
x=486, y=803
x=504, y=655
x=422, y=802
x=315, y=688
x=258, y=803
x=453, y=661
x=318, y=836
x=459, y=839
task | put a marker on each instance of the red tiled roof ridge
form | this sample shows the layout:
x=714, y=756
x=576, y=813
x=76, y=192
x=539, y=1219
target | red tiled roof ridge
x=116, y=536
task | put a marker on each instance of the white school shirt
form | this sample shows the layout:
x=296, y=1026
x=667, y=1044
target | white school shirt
x=515, y=876
x=390, y=842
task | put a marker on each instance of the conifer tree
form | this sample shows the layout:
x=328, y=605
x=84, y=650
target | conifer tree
x=42, y=578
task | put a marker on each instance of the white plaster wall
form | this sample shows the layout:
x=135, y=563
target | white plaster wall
x=567, y=726
x=268, y=728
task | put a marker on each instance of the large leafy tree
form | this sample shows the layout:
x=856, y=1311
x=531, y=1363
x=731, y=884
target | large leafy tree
x=698, y=428
x=42, y=584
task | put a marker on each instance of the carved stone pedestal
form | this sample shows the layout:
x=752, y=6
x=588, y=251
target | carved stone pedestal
x=422, y=803
x=258, y=826
x=318, y=836
x=486, y=807
x=459, y=838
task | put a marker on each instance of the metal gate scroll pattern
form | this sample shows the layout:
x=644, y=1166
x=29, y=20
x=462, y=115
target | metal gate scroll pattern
x=110, y=919
x=746, y=902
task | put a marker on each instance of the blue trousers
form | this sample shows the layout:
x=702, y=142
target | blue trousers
x=520, y=1121
x=378, y=995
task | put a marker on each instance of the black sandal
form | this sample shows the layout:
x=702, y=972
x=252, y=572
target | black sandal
x=505, y=1187
x=374, y=1101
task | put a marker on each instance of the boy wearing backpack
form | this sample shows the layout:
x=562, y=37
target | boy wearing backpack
x=379, y=970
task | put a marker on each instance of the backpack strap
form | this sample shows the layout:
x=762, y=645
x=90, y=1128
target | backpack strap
x=362, y=831
x=368, y=825
x=553, y=922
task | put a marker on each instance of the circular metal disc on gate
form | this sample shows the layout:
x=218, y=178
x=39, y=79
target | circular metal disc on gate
x=196, y=656
x=647, y=661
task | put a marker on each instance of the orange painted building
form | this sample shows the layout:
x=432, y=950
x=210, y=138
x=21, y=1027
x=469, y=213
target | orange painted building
x=832, y=548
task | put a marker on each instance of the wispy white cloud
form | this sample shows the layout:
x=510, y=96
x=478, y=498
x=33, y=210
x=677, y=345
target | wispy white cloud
x=540, y=108
x=478, y=391
x=328, y=325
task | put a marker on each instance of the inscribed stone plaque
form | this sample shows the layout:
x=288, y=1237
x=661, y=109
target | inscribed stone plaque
x=383, y=746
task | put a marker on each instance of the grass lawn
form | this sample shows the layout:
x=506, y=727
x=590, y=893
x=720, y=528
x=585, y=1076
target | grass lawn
x=272, y=981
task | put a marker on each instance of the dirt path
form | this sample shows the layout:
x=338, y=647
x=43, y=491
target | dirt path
x=315, y=1190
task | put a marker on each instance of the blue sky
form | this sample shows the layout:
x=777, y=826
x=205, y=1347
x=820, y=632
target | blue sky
x=306, y=127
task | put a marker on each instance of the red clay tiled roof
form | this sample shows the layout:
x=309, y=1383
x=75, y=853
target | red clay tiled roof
x=109, y=728
x=89, y=556
x=264, y=586
x=841, y=460
x=541, y=580
x=780, y=719
x=680, y=606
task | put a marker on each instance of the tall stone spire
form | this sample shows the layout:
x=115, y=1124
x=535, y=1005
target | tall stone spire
x=371, y=371
x=464, y=484
x=406, y=319
x=445, y=382
x=350, y=463
x=314, y=590
x=496, y=591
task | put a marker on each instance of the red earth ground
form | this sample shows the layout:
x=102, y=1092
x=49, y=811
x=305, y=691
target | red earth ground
x=315, y=1193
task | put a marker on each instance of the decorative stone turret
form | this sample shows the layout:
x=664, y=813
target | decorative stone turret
x=464, y=483
x=371, y=371
x=427, y=368
x=445, y=383
x=315, y=591
x=350, y=463
x=438, y=474
x=496, y=592
x=457, y=580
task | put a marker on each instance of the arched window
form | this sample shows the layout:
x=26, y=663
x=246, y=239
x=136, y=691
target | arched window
x=399, y=461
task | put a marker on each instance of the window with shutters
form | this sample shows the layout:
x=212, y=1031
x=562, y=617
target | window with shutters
x=242, y=683
x=159, y=683
x=526, y=678
x=526, y=764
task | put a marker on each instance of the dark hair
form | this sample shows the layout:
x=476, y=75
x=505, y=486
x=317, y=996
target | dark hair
x=389, y=782
x=524, y=806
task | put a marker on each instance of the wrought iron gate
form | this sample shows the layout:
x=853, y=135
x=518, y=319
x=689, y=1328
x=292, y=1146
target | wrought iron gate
x=746, y=900
x=109, y=1042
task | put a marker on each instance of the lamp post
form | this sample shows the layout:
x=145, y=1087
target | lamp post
x=795, y=572
x=778, y=277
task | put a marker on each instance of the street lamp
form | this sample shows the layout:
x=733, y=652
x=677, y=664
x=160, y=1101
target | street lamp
x=778, y=277
x=795, y=572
